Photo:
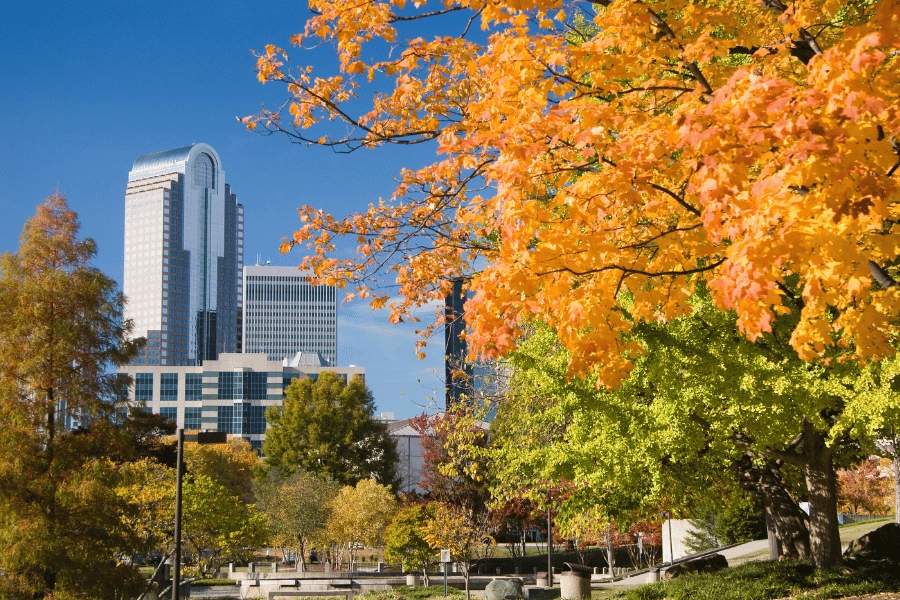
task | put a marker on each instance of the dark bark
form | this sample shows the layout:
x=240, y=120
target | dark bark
x=824, y=537
x=896, y=464
x=767, y=488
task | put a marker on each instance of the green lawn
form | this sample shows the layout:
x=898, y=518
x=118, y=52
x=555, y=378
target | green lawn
x=773, y=580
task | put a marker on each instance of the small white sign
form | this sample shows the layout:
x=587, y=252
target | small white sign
x=445, y=556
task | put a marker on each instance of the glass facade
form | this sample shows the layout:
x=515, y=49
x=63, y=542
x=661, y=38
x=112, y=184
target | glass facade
x=143, y=387
x=192, y=418
x=169, y=413
x=225, y=419
x=193, y=386
x=168, y=387
x=243, y=386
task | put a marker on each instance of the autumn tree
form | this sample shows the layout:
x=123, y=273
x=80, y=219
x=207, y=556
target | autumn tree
x=327, y=426
x=233, y=465
x=297, y=508
x=455, y=528
x=358, y=517
x=744, y=144
x=62, y=330
x=865, y=488
x=405, y=542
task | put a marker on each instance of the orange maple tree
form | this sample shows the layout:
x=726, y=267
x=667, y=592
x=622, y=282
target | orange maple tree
x=592, y=153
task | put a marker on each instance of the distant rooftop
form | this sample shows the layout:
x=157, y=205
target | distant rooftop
x=158, y=159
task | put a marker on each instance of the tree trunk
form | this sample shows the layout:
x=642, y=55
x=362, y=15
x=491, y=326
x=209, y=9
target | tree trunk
x=896, y=464
x=824, y=536
x=767, y=489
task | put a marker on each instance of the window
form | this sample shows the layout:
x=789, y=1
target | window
x=169, y=413
x=225, y=419
x=168, y=387
x=143, y=387
x=193, y=386
x=192, y=418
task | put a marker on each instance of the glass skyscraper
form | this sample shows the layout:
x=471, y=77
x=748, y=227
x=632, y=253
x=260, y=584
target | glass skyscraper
x=184, y=252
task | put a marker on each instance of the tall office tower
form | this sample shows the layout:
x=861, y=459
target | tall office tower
x=457, y=369
x=284, y=314
x=184, y=251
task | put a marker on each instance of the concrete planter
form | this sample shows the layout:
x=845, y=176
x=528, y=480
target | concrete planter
x=574, y=586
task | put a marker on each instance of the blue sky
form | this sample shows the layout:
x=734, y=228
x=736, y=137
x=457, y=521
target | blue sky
x=87, y=87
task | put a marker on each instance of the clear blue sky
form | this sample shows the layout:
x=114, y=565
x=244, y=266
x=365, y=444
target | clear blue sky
x=87, y=87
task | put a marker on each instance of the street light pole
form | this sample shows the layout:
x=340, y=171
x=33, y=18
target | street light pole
x=203, y=437
x=176, y=561
x=549, y=544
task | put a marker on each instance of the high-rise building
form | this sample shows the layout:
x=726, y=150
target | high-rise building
x=285, y=314
x=457, y=369
x=184, y=251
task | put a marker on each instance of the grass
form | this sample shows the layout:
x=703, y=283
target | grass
x=772, y=580
x=221, y=581
x=414, y=593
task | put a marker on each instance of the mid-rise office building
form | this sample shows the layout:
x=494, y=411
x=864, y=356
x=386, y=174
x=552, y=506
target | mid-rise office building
x=184, y=233
x=230, y=394
x=283, y=314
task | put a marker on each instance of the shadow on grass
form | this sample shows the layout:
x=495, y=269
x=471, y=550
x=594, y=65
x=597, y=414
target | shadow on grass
x=772, y=580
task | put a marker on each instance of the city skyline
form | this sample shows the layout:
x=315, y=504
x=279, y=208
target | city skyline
x=143, y=78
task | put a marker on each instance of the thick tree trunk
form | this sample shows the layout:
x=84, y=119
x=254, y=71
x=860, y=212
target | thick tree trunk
x=896, y=464
x=767, y=489
x=824, y=536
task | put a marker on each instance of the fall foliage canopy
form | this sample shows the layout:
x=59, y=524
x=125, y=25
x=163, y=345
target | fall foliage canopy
x=590, y=150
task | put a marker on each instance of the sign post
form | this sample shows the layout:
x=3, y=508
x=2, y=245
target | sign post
x=445, y=558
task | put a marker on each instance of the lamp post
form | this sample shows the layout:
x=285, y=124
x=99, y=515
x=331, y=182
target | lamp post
x=204, y=437
x=549, y=542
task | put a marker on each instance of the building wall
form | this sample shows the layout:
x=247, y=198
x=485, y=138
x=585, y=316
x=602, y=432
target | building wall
x=409, y=449
x=230, y=394
x=283, y=314
x=183, y=256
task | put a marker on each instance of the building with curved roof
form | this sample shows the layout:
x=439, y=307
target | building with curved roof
x=184, y=249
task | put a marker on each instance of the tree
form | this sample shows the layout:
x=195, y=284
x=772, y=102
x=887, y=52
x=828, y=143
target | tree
x=458, y=529
x=405, y=542
x=865, y=488
x=297, y=508
x=702, y=407
x=62, y=330
x=358, y=517
x=613, y=137
x=513, y=519
x=642, y=148
x=453, y=461
x=218, y=527
x=328, y=428
x=233, y=465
